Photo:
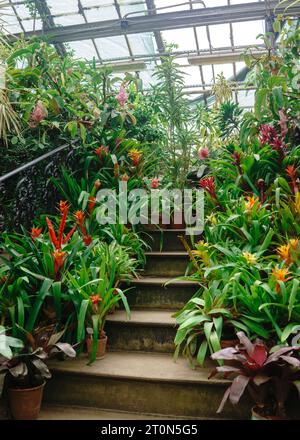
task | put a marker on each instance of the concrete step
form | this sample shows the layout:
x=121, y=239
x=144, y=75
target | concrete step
x=168, y=239
x=147, y=330
x=149, y=383
x=166, y=264
x=152, y=292
x=62, y=412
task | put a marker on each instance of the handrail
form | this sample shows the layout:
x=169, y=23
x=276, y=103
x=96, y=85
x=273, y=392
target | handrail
x=34, y=161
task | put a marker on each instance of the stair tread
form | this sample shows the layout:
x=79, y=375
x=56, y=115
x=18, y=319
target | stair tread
x=155, y=317
x=62, y=412
x=138, y=366
x=162, y=280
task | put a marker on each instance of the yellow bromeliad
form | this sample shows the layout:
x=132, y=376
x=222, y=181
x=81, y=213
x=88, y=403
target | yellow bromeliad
x=250, y=258
x=284, y=252
x=201, y=252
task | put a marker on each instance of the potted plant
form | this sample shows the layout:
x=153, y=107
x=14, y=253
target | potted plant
x=268, y=375
x=26, y=371
x=95, y=293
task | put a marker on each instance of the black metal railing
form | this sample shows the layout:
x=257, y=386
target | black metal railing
x=28, y=191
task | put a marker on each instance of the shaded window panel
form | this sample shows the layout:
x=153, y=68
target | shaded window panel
x=30, y=25
x=138, y=9
x=245, y=33
x=83, y=49
x=183, y=38
x=106, y=11
x=112, y=47
x=202, y=38
x=142, y=43
x=220, y=35
x=147, y=77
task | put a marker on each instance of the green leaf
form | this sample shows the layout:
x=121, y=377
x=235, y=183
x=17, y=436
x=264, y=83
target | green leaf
x=202, y=352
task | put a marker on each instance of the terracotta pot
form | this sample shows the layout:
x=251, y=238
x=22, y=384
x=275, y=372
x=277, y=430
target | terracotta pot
x=25, y=404
x=101, y=350
x=257, y=413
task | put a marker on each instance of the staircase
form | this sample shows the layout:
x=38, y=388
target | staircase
x=138, y=376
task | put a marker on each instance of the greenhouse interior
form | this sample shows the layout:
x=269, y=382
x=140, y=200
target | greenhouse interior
x=150, y=210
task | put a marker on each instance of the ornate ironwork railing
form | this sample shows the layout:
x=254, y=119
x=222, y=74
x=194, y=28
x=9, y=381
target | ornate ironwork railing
x=28, y=190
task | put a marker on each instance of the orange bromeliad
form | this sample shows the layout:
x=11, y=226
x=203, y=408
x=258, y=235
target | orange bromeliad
x=251, y=202
x=135, y=155
x=284, y=252
x=80, y=218
x=280, y=275
x=59, y=259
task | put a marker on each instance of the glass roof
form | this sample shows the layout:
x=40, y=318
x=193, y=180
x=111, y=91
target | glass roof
x=38, y=15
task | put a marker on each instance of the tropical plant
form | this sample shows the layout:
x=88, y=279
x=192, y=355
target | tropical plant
x=267, y=374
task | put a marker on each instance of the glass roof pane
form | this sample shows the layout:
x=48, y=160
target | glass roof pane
x=183, y=38
x=202, y=37
x=226, y=69
x=104, y=10
x=61, y=7
x=220, y=35
x=11, y=21
x=245, y=33
x=246, y=98
x=83, y=49
x=207, y=74
x=192, y=76
x=142, y=43
x=174, y=8
x=69, y=20
x=112, y=47
x=126, y=8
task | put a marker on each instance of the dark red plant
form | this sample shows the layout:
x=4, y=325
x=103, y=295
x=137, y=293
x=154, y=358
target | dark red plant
x=269, y=136
x=208, y=184
x=237, y=161
x=267, y=374
x=291, y=171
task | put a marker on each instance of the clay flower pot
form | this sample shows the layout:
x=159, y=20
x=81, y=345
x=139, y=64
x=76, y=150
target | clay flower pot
x=25, y=404
x=101, y=349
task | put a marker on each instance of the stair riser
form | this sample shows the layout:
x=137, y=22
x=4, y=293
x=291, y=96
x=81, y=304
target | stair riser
x=166, y=266
x=170, y=241
x=131, y=337
x=159, y=297
x=177, y=399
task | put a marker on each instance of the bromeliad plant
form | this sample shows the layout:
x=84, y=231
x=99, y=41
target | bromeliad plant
x=94, y=292
x=267, y=373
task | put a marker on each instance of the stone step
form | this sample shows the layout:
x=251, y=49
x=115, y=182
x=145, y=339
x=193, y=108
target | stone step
x=166, y=264
x=168, y=239
x=62, y=412
x=152, y=292
x=140, y=383
x=147, y=330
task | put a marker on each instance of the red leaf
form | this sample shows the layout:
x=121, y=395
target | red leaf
x=52, y=233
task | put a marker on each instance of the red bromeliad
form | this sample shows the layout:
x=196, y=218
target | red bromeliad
x=80, y=218
x=291, y=171
x=101, y=151
x=35, y=232
x=154, y=183
x=91, y=205
x=237, y=161
x=208, y=184
x=269, y=136
x=59, y=239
